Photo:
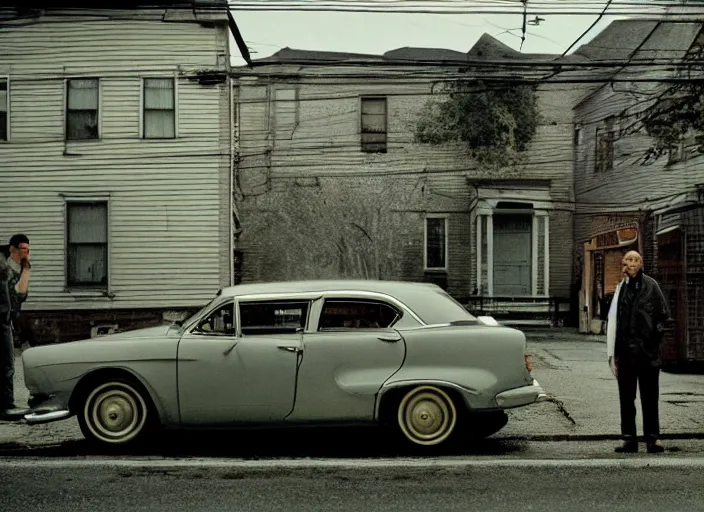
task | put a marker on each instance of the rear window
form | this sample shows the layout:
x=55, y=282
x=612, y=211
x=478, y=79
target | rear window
x=435, y=306
x=357, y=314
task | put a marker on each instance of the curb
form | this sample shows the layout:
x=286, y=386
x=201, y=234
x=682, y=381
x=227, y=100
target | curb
x=595, y=437
x=15, y=447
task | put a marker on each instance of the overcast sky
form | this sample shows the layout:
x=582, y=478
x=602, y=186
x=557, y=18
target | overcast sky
x=268, y=32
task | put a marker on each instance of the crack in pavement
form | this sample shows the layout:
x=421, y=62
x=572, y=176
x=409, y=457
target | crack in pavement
x=561, y=407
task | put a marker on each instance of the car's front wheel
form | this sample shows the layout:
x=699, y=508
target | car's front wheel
x=115, y=412
x=427, y=416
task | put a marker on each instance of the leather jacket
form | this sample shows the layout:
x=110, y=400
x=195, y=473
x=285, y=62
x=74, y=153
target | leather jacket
x=643, y=315
x=5, y=301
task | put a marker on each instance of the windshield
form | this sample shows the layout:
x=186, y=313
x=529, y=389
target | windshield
x=198, y=313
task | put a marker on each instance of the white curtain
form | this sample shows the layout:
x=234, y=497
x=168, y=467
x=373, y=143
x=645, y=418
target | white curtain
x=3, y=109
x=82, y=109
x=159, y=111
x=87, y=243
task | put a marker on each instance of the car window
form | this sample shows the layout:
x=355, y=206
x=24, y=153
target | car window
x=219, y=322
x=357, y=314
x=269, y=317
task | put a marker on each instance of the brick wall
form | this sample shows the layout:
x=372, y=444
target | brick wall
x=45, y=327
x=313, y=205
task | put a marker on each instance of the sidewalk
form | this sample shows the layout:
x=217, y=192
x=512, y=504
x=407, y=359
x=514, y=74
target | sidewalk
x=572, y=368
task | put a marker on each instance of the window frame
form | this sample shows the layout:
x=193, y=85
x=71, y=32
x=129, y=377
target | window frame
x=296, y=108
x=68, y=285
x=446, y=255
x=99, y=109
x=606, y=133
x=306, y=324
x=340, y=298
x=195, y=329
x=6, y=80
x=143, y=109
x=362, y=99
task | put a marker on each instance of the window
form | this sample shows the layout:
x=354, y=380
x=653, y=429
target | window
x=285, y=317
x=357, y=314
x=605, y=139
x=4, y=109
x=436, y=243
x=82, y=109
x=220, y=322
x=159, y=108
x=285, y=109
x=374, y=123
x=577, y=135
x=87, y=230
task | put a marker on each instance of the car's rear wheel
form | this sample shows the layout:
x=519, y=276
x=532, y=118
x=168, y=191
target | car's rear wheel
x=115, y=412
x=427, y=416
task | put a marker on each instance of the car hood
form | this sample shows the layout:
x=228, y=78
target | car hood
x=148, y=332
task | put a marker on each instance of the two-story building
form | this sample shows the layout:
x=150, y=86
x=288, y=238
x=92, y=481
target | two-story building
x=627, y=199
x=330, y=181
x=116, y=154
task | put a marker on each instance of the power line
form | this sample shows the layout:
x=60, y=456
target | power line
x=589, y=29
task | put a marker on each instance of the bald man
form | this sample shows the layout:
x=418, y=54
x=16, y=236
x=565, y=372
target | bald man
x=640, y=316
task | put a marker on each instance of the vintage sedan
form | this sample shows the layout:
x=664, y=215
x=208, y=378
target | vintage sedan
x=404, y=355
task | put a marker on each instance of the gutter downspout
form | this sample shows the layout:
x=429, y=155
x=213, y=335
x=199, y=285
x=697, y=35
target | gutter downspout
x=231, y=254
x=231, y=153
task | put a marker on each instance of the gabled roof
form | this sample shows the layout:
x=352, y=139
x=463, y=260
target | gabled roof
x=113, y=4
x=291, y=54
x=10, y=9
x=625, y=39
x=424, y=54
x=486, y=48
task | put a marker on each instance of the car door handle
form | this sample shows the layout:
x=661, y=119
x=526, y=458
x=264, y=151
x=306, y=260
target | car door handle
x=290, y=348
x=390, y=339
x=230, y=348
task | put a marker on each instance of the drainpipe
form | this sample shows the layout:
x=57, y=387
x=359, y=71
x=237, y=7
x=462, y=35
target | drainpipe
x=231, y=254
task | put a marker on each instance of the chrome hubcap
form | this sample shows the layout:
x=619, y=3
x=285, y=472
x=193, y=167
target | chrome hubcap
x=115, y=412
x=427, y=415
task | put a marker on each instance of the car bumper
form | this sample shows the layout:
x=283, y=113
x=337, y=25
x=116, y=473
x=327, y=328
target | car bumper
x=517, y=397
x=45, y=409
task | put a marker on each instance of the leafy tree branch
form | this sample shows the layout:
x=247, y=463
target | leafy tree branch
x=496, y=124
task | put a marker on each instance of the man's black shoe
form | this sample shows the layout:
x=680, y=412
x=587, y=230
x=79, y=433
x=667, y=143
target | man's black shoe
x=627, y=447
x=13, y=413
x=655, y=447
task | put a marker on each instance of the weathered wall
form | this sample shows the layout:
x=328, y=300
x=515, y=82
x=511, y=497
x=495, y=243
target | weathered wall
x=306, y=187
x=168, y=199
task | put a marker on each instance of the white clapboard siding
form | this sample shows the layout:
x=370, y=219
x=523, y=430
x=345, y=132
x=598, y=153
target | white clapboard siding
x=168, y=199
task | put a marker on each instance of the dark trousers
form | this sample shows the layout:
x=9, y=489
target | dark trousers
x=7, y=368
x=631, y=376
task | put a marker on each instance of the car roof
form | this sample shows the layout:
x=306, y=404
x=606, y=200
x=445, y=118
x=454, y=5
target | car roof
x=417, y=296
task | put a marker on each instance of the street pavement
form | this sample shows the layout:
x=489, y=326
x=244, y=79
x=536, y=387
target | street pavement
x=553, y=456
x=572, y=368
x=448, y=484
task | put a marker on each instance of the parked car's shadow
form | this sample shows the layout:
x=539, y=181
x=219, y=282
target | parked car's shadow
x=270, y=444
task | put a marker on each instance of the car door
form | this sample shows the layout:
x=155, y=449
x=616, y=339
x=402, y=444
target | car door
x=228, y=377
x=350, y=350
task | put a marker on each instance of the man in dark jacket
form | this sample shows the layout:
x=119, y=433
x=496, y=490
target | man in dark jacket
x=641, y=317
x=14, y=284
x=7, y=348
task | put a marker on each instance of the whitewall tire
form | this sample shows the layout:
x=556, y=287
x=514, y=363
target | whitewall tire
x=427, y=416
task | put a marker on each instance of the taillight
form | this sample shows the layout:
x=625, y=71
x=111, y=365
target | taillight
x=529, y=362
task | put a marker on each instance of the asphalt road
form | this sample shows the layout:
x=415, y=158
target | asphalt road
x=642, y=483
